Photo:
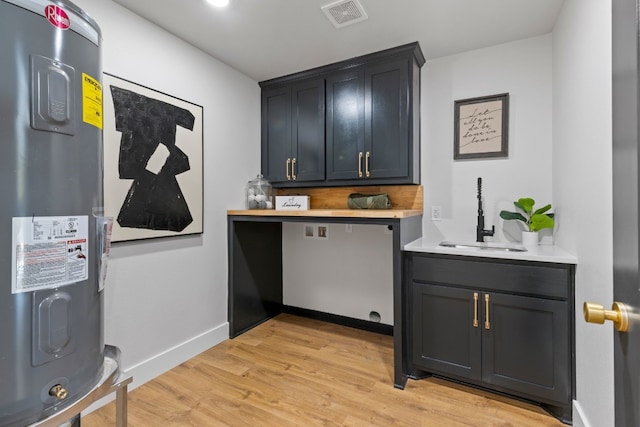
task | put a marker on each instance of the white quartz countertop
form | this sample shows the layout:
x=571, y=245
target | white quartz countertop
x=541, y=253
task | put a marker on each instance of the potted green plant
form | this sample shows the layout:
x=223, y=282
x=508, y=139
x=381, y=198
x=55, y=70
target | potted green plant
x=534, y=220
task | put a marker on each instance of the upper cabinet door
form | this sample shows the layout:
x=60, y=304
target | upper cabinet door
x=293, y=133
x=276, y=134
x=387, y=120
x=308, y=131
x=345, y=125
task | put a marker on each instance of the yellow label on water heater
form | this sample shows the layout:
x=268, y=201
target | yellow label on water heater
x=91, y=101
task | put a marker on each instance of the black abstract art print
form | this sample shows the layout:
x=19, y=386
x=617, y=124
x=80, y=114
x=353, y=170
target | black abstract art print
x=158, y=159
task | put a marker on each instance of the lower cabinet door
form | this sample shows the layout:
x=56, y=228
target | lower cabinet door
x=526, y=347
x=446, y=330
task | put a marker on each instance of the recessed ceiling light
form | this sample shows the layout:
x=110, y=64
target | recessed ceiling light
x=218, y=3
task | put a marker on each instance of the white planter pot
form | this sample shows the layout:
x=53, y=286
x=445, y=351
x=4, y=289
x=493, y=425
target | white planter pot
x=529, y=238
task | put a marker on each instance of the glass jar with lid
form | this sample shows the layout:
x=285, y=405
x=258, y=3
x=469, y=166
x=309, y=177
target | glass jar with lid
x=259, y=194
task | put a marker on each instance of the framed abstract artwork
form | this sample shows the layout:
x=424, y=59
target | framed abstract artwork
x=153, y=180
x=481, y=127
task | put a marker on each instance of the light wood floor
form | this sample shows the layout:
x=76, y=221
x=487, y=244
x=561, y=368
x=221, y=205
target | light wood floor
x=293, y=371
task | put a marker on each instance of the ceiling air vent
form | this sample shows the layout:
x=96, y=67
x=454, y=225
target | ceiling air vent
x=344, y=12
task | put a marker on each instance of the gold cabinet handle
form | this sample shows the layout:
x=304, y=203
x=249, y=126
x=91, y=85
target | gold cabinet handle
x=475, y=309
x=366, y=164
x=487, y=324
x=293, y=169
x=360, y=164
x=288, y=175
x=595, y=313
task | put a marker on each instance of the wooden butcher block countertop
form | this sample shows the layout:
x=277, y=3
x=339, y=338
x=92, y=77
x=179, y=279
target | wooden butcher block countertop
x=331, y=202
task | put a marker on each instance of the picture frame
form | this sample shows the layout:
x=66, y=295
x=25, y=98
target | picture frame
x=153, y=162
x=481, y=127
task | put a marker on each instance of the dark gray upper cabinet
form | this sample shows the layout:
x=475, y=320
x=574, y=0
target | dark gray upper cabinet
x=387, y=154
x=371, y=113
x=276, y=134
x=345, y=125
x=293, y=132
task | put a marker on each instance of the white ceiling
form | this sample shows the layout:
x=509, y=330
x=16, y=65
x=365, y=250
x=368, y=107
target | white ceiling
x=270, y=38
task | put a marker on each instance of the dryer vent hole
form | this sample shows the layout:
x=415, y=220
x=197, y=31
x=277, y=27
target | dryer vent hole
x=374, y=316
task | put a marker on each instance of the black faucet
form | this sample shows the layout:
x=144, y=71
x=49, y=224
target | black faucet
x=480, y=231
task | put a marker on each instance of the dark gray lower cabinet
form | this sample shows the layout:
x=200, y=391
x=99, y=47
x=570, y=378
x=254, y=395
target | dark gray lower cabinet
x=443, y=339
x=499, y=324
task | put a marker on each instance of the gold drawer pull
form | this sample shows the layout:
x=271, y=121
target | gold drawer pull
x=366, y=164
x=487, y=324
x=475, y=309
x=293, y=169
x=360, y=164
x=288, y=175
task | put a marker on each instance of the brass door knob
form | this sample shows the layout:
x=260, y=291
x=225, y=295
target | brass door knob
x=595, y=313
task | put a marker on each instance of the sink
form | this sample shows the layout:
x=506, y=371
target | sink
x=490, y=246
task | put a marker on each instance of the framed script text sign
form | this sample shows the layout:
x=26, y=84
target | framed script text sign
x=481, y=127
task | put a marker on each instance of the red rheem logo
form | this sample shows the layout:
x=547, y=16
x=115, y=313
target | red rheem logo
x=57, y=17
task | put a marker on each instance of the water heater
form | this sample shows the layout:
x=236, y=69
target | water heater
x=51, y=331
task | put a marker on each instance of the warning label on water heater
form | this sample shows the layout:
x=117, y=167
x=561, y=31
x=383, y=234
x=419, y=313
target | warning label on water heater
x=49, y=252
x=91, y=101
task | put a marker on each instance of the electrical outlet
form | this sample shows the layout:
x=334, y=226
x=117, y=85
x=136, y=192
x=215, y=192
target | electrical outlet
x=322, y=232
x=316, y=231
x=348, y=228
x=436, y=213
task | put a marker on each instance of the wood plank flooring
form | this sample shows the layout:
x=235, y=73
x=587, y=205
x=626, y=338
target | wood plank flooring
x=294, y=371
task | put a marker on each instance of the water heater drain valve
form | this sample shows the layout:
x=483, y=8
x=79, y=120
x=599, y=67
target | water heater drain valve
x=58, y=392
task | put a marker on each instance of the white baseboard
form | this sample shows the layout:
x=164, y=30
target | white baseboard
x=167, y=360
x=579, y=419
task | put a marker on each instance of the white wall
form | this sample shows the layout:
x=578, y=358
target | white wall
x=166, y=299
x=350, y=274
x=582, y=182
x=523, y=69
